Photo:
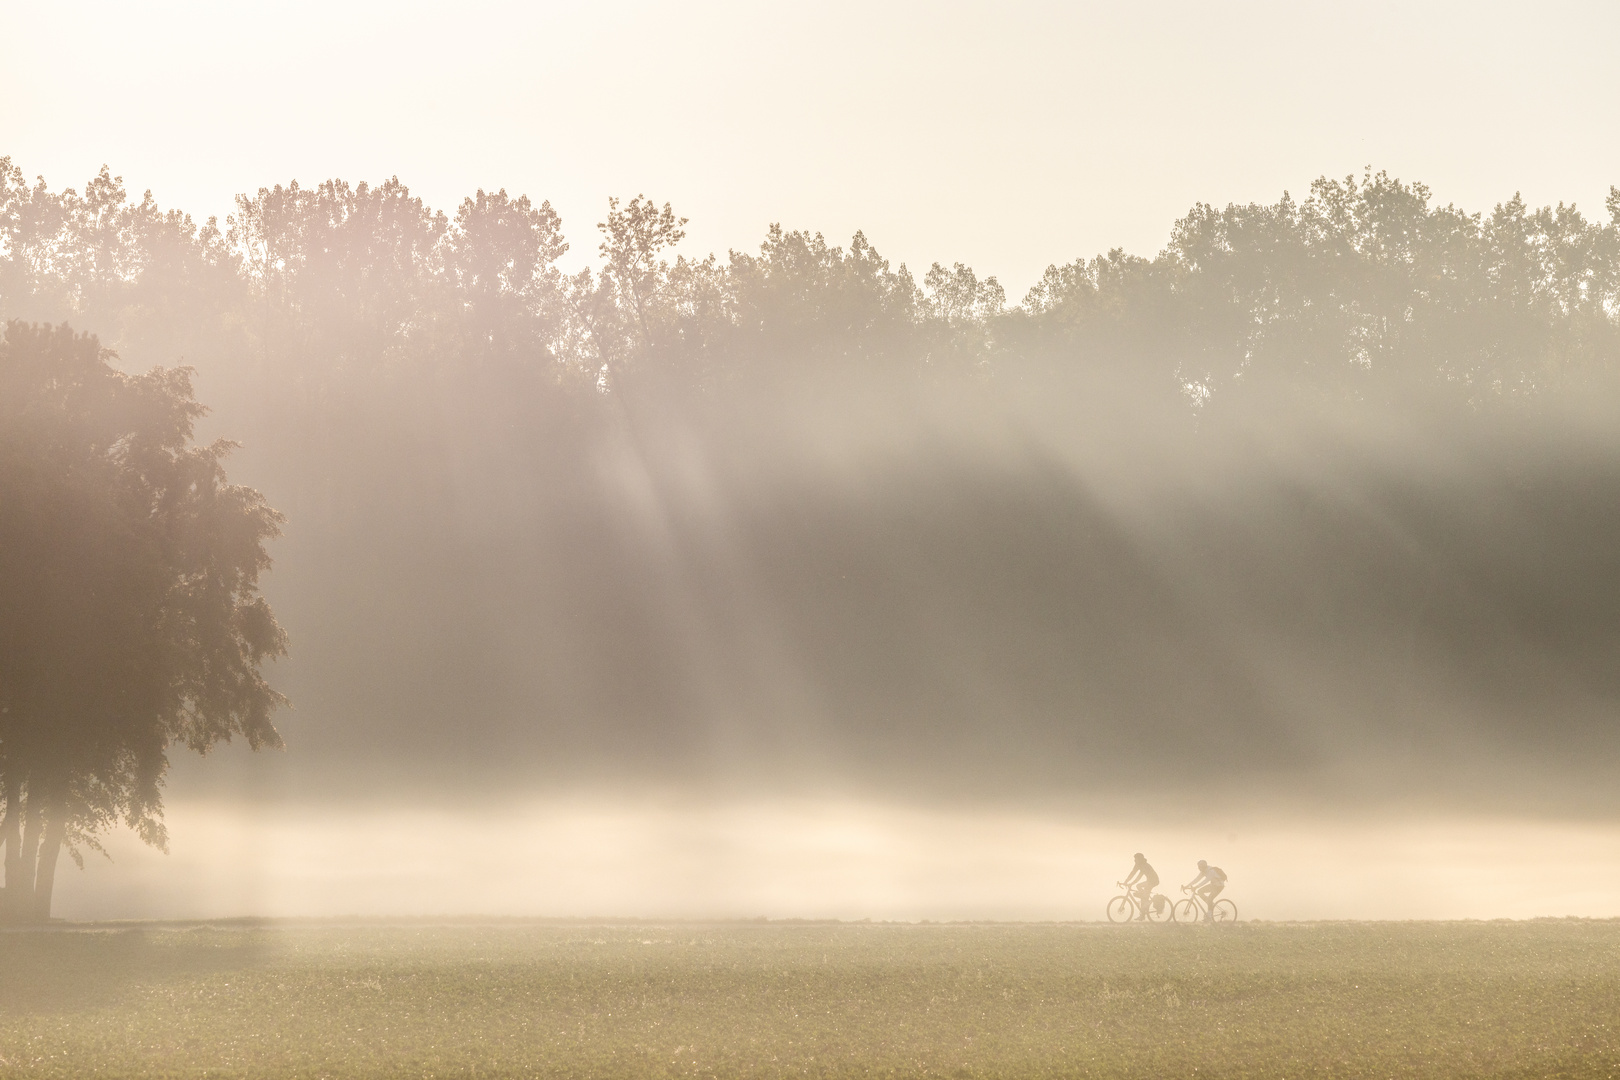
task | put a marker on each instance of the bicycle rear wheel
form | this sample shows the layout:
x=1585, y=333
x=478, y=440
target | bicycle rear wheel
x=1120, y=909
x=1187, y=911
x=1159, y=908
x=1225, y=911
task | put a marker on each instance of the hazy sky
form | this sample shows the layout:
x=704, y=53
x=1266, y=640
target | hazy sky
x=1006, y=135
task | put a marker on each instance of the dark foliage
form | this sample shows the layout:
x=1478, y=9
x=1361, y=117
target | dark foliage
x=129, y=612
x=1323, y=485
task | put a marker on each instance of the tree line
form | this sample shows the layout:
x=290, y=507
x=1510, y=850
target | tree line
x=1364, y=283
x=431, y=397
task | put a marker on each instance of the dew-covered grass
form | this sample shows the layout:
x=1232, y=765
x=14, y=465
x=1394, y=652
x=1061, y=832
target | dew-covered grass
x=812, y=999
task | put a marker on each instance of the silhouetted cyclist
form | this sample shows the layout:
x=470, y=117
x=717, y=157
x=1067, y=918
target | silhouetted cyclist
x=1208, y=884
x=1146, y=880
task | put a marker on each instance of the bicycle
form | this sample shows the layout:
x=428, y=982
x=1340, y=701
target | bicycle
x=1191, y=909
x=1124, y=908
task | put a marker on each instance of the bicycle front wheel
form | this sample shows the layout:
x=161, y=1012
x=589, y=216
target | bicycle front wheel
x=1160, y=909
x=1187, y=911
x=1225, y=911
x=1120, y=909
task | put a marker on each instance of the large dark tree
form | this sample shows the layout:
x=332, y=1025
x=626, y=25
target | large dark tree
x=130, y=618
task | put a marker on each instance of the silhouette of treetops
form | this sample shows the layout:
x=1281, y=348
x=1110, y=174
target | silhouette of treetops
x=1363, y=287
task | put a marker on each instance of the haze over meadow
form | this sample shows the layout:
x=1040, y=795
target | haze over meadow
x=815, y=578
x=1310, y=510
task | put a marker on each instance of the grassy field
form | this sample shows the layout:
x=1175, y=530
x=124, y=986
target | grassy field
x=1534, y=999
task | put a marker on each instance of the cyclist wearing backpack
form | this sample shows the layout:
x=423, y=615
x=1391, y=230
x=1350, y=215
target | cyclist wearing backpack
x=1146, y=880
x=1208, y=884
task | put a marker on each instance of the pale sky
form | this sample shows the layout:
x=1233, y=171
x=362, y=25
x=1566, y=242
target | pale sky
x=1007, y=135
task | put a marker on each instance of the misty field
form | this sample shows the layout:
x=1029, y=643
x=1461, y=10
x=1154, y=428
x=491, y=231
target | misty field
x=813, y=999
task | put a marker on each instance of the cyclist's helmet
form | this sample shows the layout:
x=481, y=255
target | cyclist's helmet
x=1141, y=857
x=1202, y=865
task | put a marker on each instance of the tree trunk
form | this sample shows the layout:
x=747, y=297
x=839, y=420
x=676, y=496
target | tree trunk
x=50, y=848
x=11, y=836
x=20, y=891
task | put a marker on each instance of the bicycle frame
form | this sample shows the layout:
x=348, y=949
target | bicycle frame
x=1206, y=909
x=1134, y=910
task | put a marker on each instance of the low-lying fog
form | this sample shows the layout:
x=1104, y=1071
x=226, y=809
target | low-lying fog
x=1370, y=677
x=1348, y=669
x=794, y=585
x=832, y=858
